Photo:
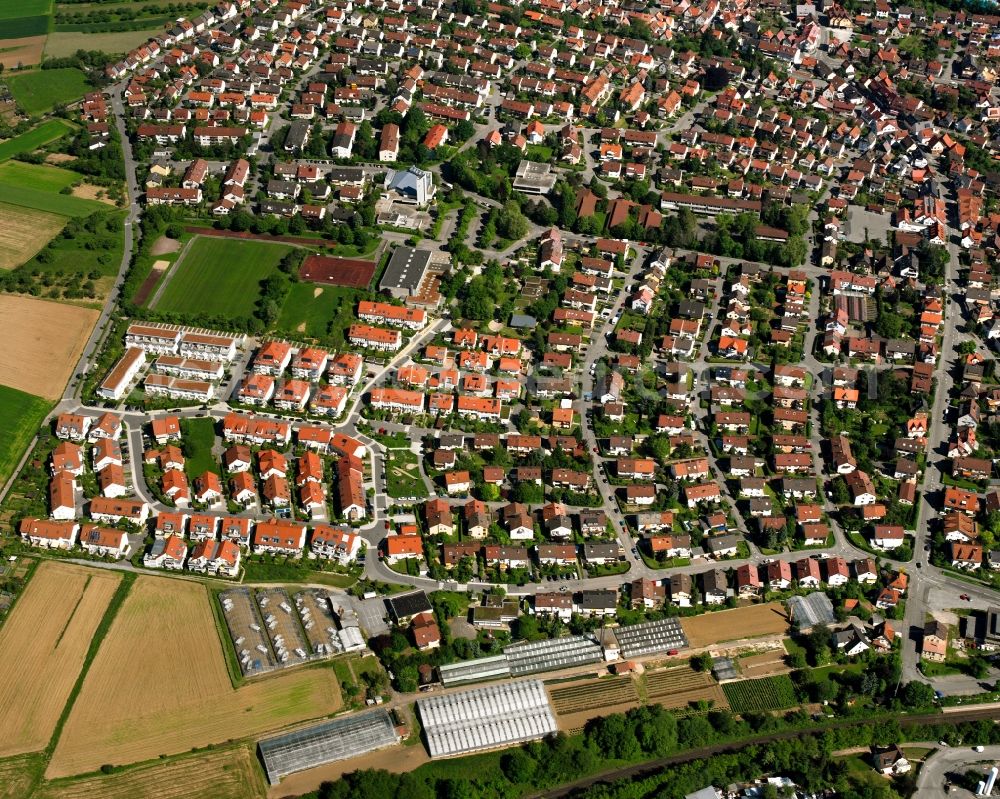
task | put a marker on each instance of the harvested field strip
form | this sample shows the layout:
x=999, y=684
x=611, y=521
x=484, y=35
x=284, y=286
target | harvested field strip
x=768, y=693
x=593, y=694
x=194, y=703
x=24, y=232
x=753, y=621
x=220, y=774
x=42, y=649
x=32, y=359
x=764, y=664
x=60, y=45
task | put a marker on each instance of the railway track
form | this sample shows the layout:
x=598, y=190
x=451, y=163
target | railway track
x=639, y=770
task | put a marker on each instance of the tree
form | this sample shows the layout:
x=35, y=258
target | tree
x=889, y=325
x=511, y=223
x=518, y=766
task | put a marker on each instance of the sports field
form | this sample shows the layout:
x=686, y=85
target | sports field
x=159, y=686
x=42, y=649
x=20, y=417
x=30, y=140
x=220, y=774
x=24, y=232
x=220, y=276
x=34, y=360
x=37, y=176
x=753, y=621
x=39, y=91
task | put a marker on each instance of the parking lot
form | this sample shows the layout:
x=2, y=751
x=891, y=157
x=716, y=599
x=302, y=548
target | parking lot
x=318, y=621
x=282, y=622
x=246, y=630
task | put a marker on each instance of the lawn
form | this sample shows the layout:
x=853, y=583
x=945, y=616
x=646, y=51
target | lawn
x=33, y=139
x=20, y=418
x=220, y=276
x=307, y=312
x=39, y=91
x=37, y=176
x=198, y=438
x=48, y=200
x=403, y=474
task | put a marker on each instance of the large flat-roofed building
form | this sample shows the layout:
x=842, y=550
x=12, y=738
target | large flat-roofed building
x=534, y=178
x=339, y=739
x=404, y=272
x=486, y=718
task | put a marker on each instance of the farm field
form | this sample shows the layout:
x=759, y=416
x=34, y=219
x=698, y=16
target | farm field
x=39, y=91
x=767, y=693
x=60, y=44
x=10, y=9
x=25, y=231
x=317, y=311
x=194, y=703
x=23, y=27
x=752, y=621
x=199, y=438
x=220, y=774
x=764, y=664
x=219, y=276
x=20, y=417
x=42, y=649
x=593, y=694
x=26, y=51
x=32, y=359
x=680, y=686
x=44, y=200
x=577, y=703
x=48, y=131
x=19, y=774
x=37, y=176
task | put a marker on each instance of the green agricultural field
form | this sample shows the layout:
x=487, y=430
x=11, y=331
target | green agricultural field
x=22, y=27
x=220, y=276
x=50, y=201
x=39, y=91
x=33, y=139
x=768, y=693
x=11, y=9
x=198, y=438
x=309, y=313
x=37, y=176
x=20, y=418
